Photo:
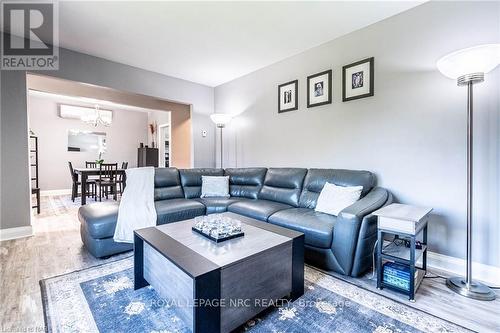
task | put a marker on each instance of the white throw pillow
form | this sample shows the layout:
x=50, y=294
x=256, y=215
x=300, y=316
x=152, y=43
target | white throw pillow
x=333, y=198
x=215, y=186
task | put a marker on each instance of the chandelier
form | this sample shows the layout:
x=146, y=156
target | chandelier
x=98, y=117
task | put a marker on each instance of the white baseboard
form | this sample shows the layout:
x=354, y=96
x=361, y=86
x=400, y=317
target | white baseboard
x=56, y=192
x=14, y=233
x=456, y=266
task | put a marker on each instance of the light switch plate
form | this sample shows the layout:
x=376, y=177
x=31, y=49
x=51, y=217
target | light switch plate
x=204, y=133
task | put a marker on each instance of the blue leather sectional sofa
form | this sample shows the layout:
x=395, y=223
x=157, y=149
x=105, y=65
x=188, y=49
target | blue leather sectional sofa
x=282, y=196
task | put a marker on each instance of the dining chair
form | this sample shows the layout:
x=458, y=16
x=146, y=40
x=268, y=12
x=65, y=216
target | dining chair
x=121, y=178
x=75, y=183
x=92, y=165
x=107, y=181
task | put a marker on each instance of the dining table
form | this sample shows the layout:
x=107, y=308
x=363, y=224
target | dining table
x=84, y=176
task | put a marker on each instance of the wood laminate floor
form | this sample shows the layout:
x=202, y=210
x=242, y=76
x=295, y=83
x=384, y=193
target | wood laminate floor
x=435, y=298
x=56, y=249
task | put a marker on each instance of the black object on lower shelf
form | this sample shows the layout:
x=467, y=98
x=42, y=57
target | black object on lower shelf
x=404, y=256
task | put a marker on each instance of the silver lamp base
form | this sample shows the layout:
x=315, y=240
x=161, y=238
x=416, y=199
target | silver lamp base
x=476, y=290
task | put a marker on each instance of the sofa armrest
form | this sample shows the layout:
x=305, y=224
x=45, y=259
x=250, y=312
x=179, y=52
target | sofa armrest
x=347, y=226
x=363, y=257
x=368, y=204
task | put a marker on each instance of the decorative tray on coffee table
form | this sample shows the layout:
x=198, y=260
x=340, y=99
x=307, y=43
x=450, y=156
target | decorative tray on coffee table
x=218, y=228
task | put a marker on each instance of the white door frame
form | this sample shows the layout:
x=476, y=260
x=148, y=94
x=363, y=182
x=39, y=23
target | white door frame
x=161, y=144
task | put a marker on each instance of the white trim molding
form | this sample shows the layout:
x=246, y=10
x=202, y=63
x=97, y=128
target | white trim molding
x=56, y=192
x=14, y=233
x=456, y=266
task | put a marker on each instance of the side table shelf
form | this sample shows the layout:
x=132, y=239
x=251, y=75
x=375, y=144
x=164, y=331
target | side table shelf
x=403, y=249
x=403, y=255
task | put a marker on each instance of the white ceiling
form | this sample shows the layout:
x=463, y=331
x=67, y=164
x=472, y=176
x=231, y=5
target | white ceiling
x=211, y=42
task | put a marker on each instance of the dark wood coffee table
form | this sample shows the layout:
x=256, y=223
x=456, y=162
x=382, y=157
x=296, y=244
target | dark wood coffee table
x=217, y=287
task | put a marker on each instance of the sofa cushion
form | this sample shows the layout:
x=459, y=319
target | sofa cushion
x=257, y=209
x=174, y=210
x=218, y=205
x=245, y=182
x=167, y=184
x=316, y=179
x=283, y=185
x=102, y=247
x=214, y=187
x=317, y=227
x=99, y=219
x=191, y=180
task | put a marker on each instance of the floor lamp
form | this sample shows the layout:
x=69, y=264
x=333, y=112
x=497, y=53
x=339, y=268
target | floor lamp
x=468, y=67
x=221, y=120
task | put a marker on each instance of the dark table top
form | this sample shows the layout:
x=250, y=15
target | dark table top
x=93, y=171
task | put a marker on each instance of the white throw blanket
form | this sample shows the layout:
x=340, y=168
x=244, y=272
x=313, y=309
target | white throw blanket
x=137, y=207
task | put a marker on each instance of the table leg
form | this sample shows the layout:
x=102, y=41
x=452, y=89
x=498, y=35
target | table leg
x=380, y=242
x=84, y=189
x=412, y=269
x=139, y=281
x=424, y=241
x=297, y=268
x=38, y=201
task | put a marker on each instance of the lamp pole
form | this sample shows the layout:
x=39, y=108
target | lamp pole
x=468, y=66
x=467, y=287
x=220, y=120
x=220, y=126
x=470, y=137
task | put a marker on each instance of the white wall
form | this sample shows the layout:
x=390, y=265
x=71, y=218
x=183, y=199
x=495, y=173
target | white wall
x=412, y=133
x=128, y=129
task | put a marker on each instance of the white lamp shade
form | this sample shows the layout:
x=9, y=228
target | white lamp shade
x=476, y=59
x=221, y=119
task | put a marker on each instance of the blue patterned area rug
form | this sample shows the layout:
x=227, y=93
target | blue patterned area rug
x=102, y=299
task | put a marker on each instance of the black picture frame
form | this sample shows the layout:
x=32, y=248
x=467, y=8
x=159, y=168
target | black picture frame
x=371, y=61
x=329, y=101
x=296, y=86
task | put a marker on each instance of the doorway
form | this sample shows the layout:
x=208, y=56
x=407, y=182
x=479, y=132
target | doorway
x=164, y=151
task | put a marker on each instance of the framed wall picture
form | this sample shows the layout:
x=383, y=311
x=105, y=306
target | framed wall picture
x=319, y=89
x=358, y=80
x=288, y=96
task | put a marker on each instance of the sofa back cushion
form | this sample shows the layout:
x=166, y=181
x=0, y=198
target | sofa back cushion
x=283, y=185
x=245, y=182
x=167, y=184
x=316, y=179
x=191, y=180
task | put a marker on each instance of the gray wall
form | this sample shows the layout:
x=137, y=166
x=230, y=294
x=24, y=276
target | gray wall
x=15, y=201
x=128, y=129
x=411, y=133
x=14, y=192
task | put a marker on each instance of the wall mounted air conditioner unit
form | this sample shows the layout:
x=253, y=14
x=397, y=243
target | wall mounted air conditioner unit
x=73, y=111
x=84, y=113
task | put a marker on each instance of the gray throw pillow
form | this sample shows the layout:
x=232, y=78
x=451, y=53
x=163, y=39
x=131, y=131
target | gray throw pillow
x=215, y=187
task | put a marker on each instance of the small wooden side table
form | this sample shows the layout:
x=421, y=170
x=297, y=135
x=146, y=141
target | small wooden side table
x=406, y=223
